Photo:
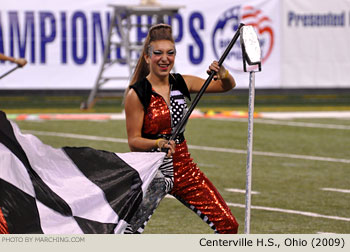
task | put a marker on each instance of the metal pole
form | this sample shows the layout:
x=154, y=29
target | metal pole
x=249, y=152
x=89, y=103
x=13, y=69
x=184, y=119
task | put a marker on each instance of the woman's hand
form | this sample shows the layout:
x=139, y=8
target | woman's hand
x=20, y=62
x=166, y=144
x=221, y=72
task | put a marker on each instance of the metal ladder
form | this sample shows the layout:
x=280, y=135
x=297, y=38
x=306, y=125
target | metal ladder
x=121, y=26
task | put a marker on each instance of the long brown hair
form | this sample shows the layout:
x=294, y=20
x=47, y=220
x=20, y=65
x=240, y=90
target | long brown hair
x=156, y=32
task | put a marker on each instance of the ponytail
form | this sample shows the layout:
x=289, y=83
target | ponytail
x=156, y=32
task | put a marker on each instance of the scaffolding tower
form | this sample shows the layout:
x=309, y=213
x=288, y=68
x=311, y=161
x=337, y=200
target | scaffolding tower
x=121, y=25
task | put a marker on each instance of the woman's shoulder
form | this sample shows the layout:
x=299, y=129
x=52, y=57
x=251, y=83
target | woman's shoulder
x=143, y=89
x=140, y=85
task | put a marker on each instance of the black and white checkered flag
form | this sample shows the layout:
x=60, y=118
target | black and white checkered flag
x=70, y=190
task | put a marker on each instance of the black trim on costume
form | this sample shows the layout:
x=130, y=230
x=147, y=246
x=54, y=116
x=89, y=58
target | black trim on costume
x=204, y=217
x=180, y=84
x=179, y=138
x=143, y=88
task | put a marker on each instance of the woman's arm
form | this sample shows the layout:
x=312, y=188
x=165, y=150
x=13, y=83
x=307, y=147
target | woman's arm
x=20, y=61
x=222, y=81
x=134, y=120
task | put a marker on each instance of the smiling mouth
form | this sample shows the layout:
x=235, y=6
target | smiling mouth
x=163, y=66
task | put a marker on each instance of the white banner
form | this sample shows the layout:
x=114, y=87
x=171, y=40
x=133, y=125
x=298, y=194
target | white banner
x=316, y=37
x=63, y=40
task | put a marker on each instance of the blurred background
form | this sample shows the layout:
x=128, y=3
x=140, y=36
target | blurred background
x=304, y=45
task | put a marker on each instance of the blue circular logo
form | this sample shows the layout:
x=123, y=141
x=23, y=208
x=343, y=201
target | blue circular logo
x=227, y=26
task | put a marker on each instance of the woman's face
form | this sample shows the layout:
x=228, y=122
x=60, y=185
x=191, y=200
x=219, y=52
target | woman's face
x=161, y=57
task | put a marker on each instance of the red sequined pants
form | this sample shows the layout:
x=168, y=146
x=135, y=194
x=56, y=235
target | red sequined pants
x=195, y=190
x=3, y=224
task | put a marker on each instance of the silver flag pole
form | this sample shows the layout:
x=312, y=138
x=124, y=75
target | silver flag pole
x=252, y=56
x=249, y=152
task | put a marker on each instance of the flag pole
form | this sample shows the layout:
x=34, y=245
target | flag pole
x=252, y=56
x=184, y=119
x=249, y=152
x=13, y=69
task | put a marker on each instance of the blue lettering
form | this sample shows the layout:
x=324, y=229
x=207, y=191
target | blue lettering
x=33, y=35
x=290, y=18
x=76, y=17
x=316, y=20
x=118, y=46
x=30, y=22
x=178, y=37
x=46, y=38
x=97, y=27
x=193, y=30
x=108, y=28
x=15, y=33
x=64, y=37
x=1, y=39
x=142, y=33
x=13, y=25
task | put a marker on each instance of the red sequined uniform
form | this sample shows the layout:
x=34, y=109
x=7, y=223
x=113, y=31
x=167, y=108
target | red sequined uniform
x=191, y=186
x=3, y=224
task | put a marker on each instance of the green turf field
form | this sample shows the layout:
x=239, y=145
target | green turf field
x=271, y=100
x=289, y=171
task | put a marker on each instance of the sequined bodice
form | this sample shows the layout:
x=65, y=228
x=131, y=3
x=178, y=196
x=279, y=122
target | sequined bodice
x=157, y=118
x=161, y=118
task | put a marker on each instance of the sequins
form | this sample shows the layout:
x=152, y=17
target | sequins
x=3, y=225
x=194, y=188
x=190, y=184
x=157, y=119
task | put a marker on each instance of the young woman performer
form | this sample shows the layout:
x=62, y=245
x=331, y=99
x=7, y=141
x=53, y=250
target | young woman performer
x=154, y=105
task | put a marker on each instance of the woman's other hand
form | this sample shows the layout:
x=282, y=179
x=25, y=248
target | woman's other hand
x=164, y=144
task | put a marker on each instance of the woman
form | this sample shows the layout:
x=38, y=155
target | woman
x=154, y=105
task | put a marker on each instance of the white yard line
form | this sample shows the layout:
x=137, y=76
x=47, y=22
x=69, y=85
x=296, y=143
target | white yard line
x=336, y=190
x=304, y=124
x=77, y=136
x=280, y=210
x=205, y=165
x=306, y=114
x=271, y=154
x=235, y=190
x=288, y=123
x=194, y=147
x=273, y=209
